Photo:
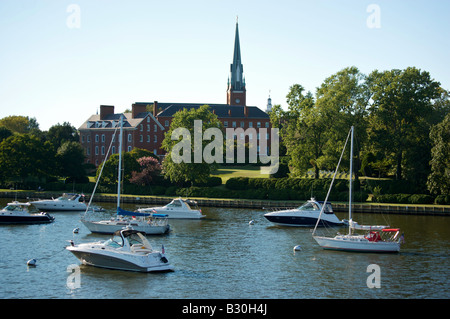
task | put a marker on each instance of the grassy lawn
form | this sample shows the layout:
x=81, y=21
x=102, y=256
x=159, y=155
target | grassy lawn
x=227, y=172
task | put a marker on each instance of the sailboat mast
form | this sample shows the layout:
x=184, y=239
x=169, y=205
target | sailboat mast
x=120, y=161
x=350, y=184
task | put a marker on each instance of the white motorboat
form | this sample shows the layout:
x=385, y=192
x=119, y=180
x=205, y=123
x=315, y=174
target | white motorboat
x=148, y=223
x=377, y=238
x=66, y=202
x=177, y=208
x=18, y=213
x=305, y=215
x=128, y=250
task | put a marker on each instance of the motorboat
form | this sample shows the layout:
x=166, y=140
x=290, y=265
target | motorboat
x=305, y=215
x=376, y=238
x=18, y=213
x=177, y=208
x=128, y=249
x=66, y=202
x=147, y=223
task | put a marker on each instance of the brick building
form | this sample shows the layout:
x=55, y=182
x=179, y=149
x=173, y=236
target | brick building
x=145, y=126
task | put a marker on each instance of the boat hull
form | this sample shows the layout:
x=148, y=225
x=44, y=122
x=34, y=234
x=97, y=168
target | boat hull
x=32, y=219
x=109, y=227
x=357, y=244
x=301, y=219
x=112, y=261
x=174, y=214
x=58, y=207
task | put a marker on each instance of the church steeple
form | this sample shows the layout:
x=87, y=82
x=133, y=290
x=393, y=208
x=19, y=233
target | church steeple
x=236, y=83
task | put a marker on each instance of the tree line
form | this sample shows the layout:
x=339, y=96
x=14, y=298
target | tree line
x=401, y=119
x=29, y=156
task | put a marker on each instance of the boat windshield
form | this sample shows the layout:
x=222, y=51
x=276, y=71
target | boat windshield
x=134, y=239
x=174, y=203
x=63, y=197
x=309, y=206
x=68, y=197
x=12, y=207
x=328, y=208
x=116, y=241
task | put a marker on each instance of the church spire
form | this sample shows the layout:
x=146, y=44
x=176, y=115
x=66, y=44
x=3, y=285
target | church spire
x=236, y=68
x=236, y=80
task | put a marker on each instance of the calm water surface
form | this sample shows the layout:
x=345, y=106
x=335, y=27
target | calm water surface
x=222, y=256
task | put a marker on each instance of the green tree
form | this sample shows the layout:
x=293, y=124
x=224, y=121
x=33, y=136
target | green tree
x=400, y=117
x=23, y=157
x=69, y=159
x=343, y=100
x=60, y=133
x=302, y=131
x=4, y=133
x=190, y=170
x=20, y=124
x=314, y=130
x=439, y=179
x=129, y=165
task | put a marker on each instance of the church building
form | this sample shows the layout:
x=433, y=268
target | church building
x=145, y=125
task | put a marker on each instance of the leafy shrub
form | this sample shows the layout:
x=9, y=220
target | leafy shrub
x=404, y=198
x=421, y=199
x=237, y=183
x=442, y=200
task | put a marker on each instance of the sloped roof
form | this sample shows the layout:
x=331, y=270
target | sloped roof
x=221, y=110
x=111, y=121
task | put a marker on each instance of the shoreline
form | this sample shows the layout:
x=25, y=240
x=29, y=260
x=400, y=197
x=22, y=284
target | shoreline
x=374, y=208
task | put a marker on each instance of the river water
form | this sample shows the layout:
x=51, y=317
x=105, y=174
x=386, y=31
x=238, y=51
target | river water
x=223, y=256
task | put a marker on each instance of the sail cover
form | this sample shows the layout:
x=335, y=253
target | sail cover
x=124, y=212
x=355, y=225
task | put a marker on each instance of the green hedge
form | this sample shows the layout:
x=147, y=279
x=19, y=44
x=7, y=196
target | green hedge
x=404, y=199
x=442, y=200
x=296, y=188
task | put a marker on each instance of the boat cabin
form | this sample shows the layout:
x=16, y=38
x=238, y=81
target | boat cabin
x=313, y=205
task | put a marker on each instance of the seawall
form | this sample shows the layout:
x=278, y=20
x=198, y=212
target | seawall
x=443, y=210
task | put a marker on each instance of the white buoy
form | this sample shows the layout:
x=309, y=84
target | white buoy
x=251, y=222
x=31, y=262
x=75, y=231
x=297, y=248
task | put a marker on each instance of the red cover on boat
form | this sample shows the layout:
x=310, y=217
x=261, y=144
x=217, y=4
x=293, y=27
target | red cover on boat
x=391, y=229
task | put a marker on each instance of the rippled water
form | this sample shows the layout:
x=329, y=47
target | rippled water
x=222, y=256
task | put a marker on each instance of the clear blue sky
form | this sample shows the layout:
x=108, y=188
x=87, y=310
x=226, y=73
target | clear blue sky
x=180, y=51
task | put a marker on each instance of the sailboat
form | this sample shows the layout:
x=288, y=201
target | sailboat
x=148, y=223
x=377, y=238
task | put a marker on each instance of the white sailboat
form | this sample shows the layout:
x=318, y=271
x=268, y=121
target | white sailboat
x=378, y=238
x=148, y=223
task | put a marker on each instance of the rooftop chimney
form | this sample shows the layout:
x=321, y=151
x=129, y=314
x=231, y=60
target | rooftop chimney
x=136, y=109
x=155, y=108
x=105, y=110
